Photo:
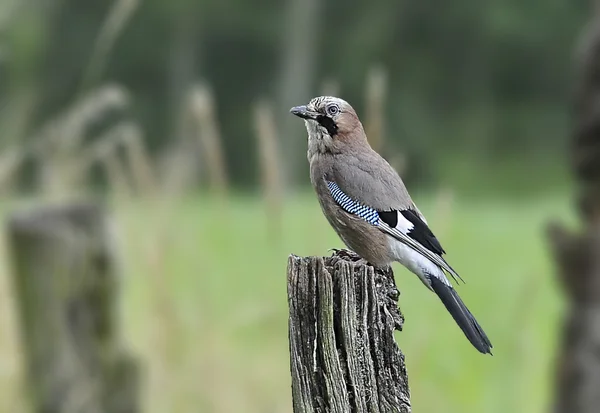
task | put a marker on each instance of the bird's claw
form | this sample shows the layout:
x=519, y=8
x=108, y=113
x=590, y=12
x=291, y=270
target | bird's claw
x=362, y=261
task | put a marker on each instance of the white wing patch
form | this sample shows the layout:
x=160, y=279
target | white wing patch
x=404, y=224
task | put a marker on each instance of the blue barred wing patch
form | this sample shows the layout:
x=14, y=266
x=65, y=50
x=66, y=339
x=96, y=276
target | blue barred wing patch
x=351, y=206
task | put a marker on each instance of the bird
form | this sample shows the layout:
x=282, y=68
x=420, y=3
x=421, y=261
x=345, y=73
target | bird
x=367, y=204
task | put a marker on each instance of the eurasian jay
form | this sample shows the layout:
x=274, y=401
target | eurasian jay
x=367, y=204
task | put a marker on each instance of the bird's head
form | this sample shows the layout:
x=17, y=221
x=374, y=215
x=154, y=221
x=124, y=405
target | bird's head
x=331, y=123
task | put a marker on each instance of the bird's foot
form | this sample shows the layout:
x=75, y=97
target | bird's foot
x=351, y=256
x=362, y=261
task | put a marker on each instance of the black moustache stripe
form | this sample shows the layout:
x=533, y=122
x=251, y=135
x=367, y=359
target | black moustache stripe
x=328, y=124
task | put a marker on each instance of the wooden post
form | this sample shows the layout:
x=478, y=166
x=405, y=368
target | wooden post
x=578, y=254
x=375, y=106
x=66, y=284
x=266, y=136
x=343, y=354
x=204, y=112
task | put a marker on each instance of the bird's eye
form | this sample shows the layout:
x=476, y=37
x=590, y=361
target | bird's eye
x=332, y=110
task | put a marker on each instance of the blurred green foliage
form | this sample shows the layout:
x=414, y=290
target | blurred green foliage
x=478, y=99
x=468, y=80
x=205, y=309
x=205, y=305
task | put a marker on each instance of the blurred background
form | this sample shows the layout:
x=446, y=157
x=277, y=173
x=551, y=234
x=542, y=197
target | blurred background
x=174, y=114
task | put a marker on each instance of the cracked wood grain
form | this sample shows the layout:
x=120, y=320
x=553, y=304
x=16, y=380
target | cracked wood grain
x=343, y=354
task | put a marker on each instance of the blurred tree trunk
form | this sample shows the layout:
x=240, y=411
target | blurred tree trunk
x=183, y=61
x=66, y=283
x=297, y=78
x=578, y=254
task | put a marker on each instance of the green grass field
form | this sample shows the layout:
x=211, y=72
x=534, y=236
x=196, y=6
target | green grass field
x=205, y=305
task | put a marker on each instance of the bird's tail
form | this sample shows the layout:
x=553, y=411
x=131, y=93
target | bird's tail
x=462, y=315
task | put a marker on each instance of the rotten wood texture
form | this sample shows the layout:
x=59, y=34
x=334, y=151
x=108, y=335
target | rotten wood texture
x=343, y=355
x=578, y=253
x=66, y=283
x=578, y=361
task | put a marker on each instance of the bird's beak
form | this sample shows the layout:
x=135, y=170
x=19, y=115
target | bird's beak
x=303, y=112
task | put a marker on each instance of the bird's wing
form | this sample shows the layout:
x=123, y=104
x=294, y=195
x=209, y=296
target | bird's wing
x=366, y=177
x=405, y=225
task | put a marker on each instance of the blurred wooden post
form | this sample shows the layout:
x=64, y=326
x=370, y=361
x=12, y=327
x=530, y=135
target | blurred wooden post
x=10, y=162
x=203, y=110
x=299, y=53
x=343, y=354
x=117, y=178
x=139, y=161
x=578, y=254
x=66, y=282
x=271, y=170
x=375, y=106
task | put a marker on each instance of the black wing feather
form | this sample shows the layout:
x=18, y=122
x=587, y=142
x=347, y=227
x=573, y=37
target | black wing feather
x=422, y=233
x=389, y=217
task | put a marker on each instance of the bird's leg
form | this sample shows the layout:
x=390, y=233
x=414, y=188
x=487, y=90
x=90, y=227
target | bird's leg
x=357, y=259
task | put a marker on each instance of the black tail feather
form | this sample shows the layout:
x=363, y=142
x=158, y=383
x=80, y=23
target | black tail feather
x=462, y=315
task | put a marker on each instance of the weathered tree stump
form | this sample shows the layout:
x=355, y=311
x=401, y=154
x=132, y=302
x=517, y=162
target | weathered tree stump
x=578, y=254
x=344, y=358
x=66, y=284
